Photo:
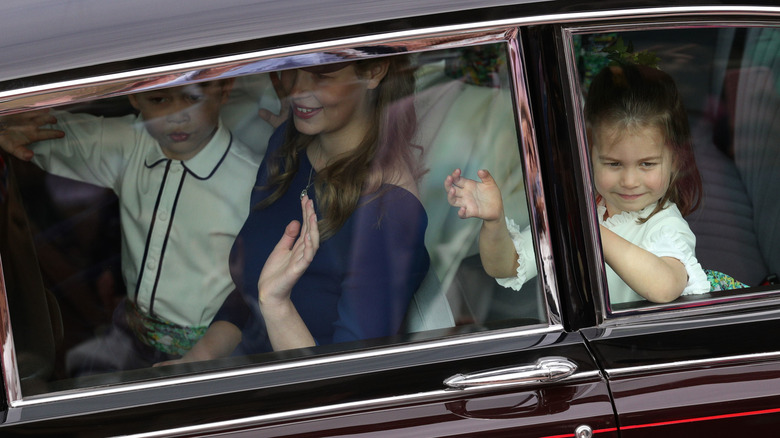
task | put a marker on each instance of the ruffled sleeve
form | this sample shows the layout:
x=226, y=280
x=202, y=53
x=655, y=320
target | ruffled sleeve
x=675, y=239
x=526, y=265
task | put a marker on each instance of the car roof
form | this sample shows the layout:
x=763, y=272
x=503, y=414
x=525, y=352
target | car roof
x=46, y=36
x=43, y=36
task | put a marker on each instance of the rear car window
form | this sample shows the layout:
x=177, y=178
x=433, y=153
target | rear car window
x=729, y=81
x=96, y=266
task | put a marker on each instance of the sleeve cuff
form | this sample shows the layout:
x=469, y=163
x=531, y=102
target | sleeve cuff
x=521, y=243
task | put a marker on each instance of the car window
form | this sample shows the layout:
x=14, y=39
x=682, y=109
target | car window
x=729, y=82
x=96, y=267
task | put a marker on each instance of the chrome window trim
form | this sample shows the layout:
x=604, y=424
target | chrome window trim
x=534, y=186
x=697, y=363
x=587, y=181
x=166, y=76
x=666, y=312
x=335, y=409
x=434, y=38
x=304, y=55
x=695, y=319
x=251, y=29
x=8, y=365
x=76, y=394
x=688, y=307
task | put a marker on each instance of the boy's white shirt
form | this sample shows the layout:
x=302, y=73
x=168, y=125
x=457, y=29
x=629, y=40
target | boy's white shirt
x=666, y=234
x=203, y=202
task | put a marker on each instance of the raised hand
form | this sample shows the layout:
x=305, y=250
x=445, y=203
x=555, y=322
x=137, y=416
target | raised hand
x=290, y=258
x=282, y=89
x=476, y=199
x=18, y=131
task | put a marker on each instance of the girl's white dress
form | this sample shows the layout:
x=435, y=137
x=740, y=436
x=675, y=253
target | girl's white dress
x=666, y=234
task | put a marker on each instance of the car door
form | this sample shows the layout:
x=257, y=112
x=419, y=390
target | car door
x=712, y=375
x=498, y=362
x=703, y=365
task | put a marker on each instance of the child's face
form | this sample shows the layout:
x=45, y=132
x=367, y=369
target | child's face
x=330, y=102
x=631, y=168
x=182, y=119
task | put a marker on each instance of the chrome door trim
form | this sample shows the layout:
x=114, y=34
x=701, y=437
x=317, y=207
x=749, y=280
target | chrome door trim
x=546, y=369
x=694, y=363
x=302, y=414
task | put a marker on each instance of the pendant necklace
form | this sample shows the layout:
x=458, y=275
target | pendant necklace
x=305, y=190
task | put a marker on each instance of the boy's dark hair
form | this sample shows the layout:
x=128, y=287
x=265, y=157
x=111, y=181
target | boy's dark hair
x=634, y=96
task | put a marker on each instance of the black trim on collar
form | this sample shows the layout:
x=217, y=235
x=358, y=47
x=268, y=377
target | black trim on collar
x=219, y=163
x=155, y=163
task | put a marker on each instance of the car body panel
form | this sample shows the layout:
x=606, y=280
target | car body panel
x=682, y=372
x=374, y=402
x=717, y=376
x=120, y=32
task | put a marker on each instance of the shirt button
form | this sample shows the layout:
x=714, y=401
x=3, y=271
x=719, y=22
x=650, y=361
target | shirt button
x=151, y=264
x=176, y=168
x=163, y=215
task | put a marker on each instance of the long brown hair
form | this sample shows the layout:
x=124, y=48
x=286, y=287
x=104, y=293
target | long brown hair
x=632, y=96
x=384, y=154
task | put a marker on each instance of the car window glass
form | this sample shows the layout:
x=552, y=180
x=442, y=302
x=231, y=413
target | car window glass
x=729, y=81
x=67, y=284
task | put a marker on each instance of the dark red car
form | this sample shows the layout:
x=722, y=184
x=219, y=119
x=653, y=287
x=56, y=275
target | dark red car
x=500, y=85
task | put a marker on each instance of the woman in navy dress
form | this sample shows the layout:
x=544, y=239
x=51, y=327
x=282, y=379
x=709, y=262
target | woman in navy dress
x=345, y=163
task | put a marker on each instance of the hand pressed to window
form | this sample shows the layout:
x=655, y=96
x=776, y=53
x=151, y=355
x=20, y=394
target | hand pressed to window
x=18, y=131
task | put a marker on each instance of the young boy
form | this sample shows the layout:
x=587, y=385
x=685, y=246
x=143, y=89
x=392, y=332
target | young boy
x=183, y=183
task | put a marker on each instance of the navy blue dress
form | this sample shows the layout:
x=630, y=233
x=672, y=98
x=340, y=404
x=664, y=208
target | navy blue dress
x=361, y=279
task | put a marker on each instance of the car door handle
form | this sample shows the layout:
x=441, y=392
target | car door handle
x=546, y=369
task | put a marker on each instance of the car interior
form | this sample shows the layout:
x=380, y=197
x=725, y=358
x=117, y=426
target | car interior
x=59, y=239
x=62, y=271
x=729, y=81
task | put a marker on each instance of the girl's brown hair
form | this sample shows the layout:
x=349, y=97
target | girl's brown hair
x=633, y=96
x=385, y=154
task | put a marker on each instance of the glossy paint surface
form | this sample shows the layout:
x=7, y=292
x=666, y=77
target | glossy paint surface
x=709, y=377
x=547, y=412
x=727, y=400
x=716, y=375
x=409, y=398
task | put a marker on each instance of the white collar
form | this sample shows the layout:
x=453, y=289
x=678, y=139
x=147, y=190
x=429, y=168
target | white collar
x=205, y=162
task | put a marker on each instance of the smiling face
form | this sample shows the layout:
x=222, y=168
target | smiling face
x=632, y=167
x=332, y=104
x=182, y=119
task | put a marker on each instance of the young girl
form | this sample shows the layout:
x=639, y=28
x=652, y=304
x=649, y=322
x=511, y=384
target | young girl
x=345, y=155
x=646, y=179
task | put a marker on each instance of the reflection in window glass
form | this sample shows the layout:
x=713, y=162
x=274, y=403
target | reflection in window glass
x=153, y=218
x=729, y=81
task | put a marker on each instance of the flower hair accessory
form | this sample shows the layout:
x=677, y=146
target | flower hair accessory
x=619, y=53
